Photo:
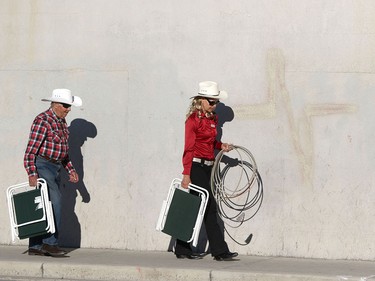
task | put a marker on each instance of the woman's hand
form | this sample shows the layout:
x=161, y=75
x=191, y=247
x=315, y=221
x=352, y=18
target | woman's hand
x=226, y=147
x=185, y=181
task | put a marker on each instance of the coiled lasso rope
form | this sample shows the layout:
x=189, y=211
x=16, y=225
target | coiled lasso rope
x=237, y=188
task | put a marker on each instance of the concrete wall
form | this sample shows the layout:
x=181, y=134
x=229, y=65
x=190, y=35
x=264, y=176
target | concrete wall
x=300, y=78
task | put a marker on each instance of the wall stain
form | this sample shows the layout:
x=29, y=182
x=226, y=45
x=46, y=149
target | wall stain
x=278, y=96
x=33, y=30
x=20, y=31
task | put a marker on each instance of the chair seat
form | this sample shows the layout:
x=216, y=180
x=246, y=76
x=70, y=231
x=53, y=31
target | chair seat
x=182, y=213
x=30, y=210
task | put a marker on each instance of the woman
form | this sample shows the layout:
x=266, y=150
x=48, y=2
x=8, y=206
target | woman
x=198, y=159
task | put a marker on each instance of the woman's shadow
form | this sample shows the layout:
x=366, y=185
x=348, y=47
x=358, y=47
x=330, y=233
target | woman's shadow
x=70, y=230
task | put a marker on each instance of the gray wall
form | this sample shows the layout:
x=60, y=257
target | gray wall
x=300, y=78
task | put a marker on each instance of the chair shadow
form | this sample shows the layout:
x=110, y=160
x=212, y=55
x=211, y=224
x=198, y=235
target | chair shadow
x=70, y=230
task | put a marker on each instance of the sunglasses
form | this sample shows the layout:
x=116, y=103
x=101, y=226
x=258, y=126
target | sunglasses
x=212, y=102
x=65, y=105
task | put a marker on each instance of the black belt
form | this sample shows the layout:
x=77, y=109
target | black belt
x=50, y=160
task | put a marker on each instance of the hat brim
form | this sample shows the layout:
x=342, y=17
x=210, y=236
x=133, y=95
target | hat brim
x=77, y=101
x=222, y=95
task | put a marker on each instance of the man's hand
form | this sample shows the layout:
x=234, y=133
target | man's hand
x=33, y=181
x=73, y=177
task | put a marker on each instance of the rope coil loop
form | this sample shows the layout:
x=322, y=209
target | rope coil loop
x=237, y=188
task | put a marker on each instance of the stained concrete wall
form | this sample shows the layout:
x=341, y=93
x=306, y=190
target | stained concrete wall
x=300, y=78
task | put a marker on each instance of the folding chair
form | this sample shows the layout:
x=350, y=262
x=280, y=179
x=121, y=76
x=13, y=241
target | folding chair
x=30, y=210
x=182, y=213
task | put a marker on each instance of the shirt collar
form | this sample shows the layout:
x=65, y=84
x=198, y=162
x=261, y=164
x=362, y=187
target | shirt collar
x=53, y=114
x=201, y=114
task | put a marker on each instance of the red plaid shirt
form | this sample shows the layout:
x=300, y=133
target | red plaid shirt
x=200, y=139
x=48, y=138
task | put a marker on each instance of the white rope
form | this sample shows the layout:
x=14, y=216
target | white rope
x=240, y=200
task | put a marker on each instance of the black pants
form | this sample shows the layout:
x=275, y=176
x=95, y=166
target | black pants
x=200, y=175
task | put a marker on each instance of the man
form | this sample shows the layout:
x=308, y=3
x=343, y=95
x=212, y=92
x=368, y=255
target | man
x=45, y=155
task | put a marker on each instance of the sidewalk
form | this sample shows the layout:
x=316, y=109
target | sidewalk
x=110, y=264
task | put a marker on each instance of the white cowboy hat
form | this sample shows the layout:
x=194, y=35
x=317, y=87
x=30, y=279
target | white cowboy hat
x=64, y=96
x=209, y=89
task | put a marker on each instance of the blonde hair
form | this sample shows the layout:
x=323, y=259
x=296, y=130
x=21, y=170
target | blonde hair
x=195, y=105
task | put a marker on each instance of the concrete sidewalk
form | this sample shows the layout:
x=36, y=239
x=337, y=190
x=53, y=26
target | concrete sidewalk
x=110, y=264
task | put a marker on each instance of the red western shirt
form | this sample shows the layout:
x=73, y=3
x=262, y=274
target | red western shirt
x=200, y=139
x=48, y=138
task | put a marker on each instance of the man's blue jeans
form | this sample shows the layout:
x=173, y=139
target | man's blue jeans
x=51, y=173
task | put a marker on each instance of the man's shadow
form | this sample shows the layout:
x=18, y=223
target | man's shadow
x=225, y=114
x=70, y=230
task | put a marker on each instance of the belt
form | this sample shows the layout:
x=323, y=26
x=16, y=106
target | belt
x=203, y=161
x=50, y=160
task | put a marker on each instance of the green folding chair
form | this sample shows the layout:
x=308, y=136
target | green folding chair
x=182, y=213
x=30, y=210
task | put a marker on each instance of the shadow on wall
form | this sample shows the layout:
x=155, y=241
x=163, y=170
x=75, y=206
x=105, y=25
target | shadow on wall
x=70, y=232
x=225, y=114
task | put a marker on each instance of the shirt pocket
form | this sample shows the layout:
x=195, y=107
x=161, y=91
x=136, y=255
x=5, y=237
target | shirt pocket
x=55, y=137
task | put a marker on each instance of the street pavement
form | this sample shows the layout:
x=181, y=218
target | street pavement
x=113, y=264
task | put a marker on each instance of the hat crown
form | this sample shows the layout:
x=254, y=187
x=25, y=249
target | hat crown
x=210, y=89
x=63, y=94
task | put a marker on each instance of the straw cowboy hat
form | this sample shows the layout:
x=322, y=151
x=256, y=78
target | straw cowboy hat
x=209, y=89
x=64, y=96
